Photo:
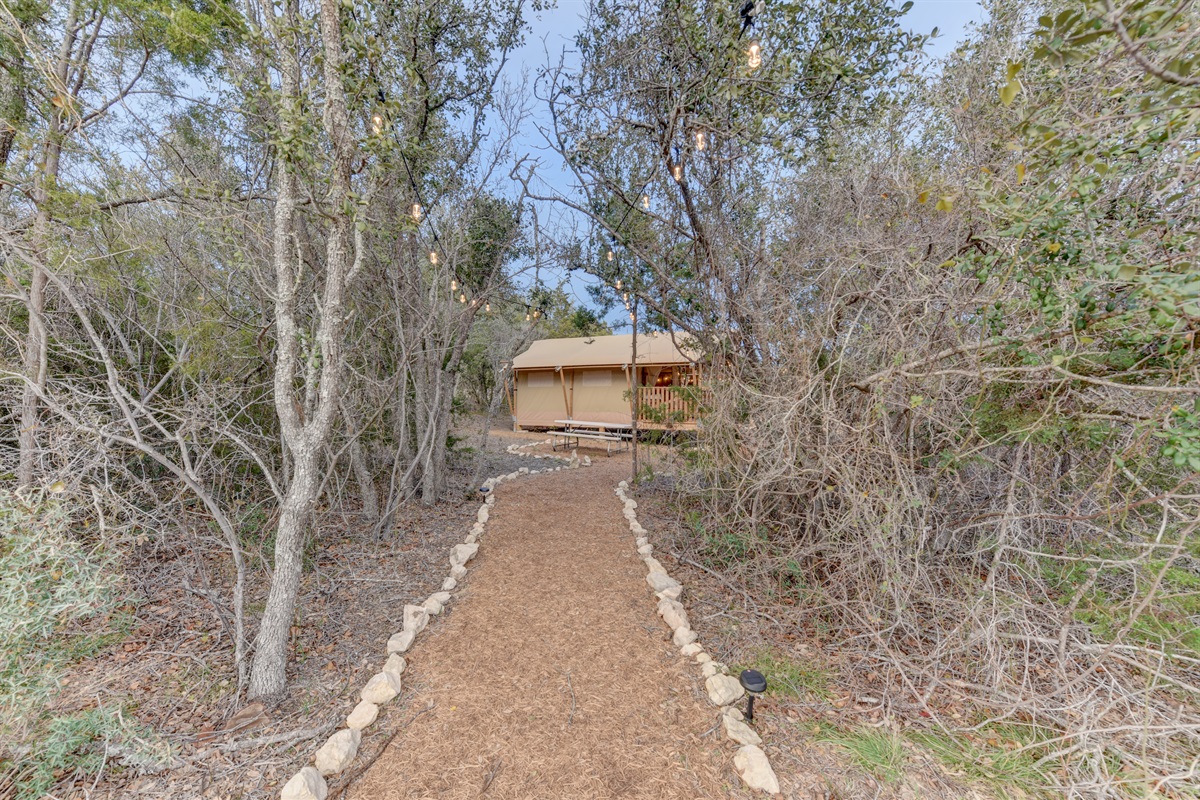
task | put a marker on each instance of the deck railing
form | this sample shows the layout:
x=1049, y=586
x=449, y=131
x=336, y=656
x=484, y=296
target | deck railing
x=670, y=405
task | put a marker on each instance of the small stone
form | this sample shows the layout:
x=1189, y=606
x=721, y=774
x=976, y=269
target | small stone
x=740, y=732
x=307, y=784
x=646, y=549
x=462, y=553
x=395, y=664
x=524, y=470
x=416, y=618
x=673, y=613
x=442, y=597
x=338, y=751
x=477, y=529
x=587, y=461
x=382, y=687
x=636, y=528
x=733, y=711
x=432, y=607
x=574, y=462
x=723, y=689
x=653, y=565
x=661, y=582
x=683, y=636
x=512, y=476
x=449, y=584
x=400, y=642
x=672, y=593
x=491, y=501
x=752, y=765
x=631, y=503
x=483, y=514
x=623, y=485
x=691, y=649
x=640, y=541
x=458, y=572
x=363, y=715
x=709, y=668
x=703, y=658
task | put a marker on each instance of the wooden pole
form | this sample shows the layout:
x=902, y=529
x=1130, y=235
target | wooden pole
x=634, y=400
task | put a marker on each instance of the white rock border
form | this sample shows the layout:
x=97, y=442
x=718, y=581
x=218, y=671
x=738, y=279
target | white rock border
x=341, y=748
x=723, y=689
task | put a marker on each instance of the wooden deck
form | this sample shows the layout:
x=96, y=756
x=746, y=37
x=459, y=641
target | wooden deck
x=670, y=407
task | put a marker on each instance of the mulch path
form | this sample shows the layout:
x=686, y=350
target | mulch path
x=550, y=675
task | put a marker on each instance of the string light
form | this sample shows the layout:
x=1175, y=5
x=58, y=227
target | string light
x=474, y=302
x=462, y=298
x=536, y=314
x=610, y=255
x=754, y=55
x=453, y=285
x=416, y=212
x=625, y=297
x=646, y=202
x=377, y=123
x=527, y=317
x=677, y=172
x=433, y=257
x=487, y=306
x=618, y=284
x=631, y=316
x=701, y=141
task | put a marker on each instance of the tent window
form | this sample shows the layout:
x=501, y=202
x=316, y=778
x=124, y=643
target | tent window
x=540, y=379
x=597, y=377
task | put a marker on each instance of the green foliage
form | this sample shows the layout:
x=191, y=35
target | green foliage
x=880, y=752
x=788, y=676
x=58, y=604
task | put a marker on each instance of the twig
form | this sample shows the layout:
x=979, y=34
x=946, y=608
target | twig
x=497, y=763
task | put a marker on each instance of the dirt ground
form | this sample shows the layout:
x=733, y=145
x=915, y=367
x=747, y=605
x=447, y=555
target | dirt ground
x=550, y=675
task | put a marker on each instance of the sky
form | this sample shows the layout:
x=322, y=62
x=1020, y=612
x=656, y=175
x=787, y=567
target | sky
x=553, y=30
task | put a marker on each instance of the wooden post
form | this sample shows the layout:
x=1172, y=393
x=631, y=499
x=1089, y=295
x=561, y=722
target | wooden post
x=634, y=400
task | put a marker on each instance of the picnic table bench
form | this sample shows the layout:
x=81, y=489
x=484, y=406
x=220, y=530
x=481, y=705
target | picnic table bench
x=611, y=433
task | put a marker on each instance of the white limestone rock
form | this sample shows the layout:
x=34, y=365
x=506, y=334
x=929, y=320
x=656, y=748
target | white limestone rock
x=703, y=657
x=416, y=618
x=432, y=607
x=449, y=584
x=363, y=715
x=661, y=581
x=395, y=664
x=646, y=549
x=462, y=553
x=672, y=593
x=482, y=516
x=338, y=751
x=574, y=462
x=636, y=528
x=752, y=766
x=382, y=687
x=739, y=731
x=524, y=470
x=471, y=538
x=683, y=636
x=400, y=642
x=458, y=572
x=307, y=784
x=723, y=689
x=709, y=668
x=631, y=503
x=587, y=461
x=653, y=565
x=673, y=613
x=690, y=650
x=623, y=485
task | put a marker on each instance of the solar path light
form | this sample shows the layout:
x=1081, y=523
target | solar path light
x=755, y=684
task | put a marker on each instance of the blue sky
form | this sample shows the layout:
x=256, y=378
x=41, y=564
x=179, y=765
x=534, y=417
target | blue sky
x=554, y=30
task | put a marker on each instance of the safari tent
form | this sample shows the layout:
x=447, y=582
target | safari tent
x=592, y=378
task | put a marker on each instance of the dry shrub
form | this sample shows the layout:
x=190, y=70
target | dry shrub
x=981, y=521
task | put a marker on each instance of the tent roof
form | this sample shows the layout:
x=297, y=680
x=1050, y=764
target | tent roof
x=595, y=351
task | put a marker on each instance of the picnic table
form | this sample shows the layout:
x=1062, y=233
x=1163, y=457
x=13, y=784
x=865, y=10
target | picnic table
x=611, y=433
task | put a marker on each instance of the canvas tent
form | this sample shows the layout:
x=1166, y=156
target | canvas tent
x=590, y=378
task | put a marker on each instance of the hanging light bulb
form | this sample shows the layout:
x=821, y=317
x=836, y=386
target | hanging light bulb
x=627, y=306
x=474, y=302
x=377, y=123
x=631, y=316
x=646, y=202
x=453, y=285
x=754, y=55
x=462, y=298
x=433, y=257
x=618, y=284
x=537, y=314
x=487, y=306
x=701, y=140
x=416, y=212
x=527, y=317
x=677, y=172
x=625, y=297
x=610, y=255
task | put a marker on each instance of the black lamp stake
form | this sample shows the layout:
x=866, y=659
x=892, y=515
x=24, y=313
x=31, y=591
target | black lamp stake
x=754, y=683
